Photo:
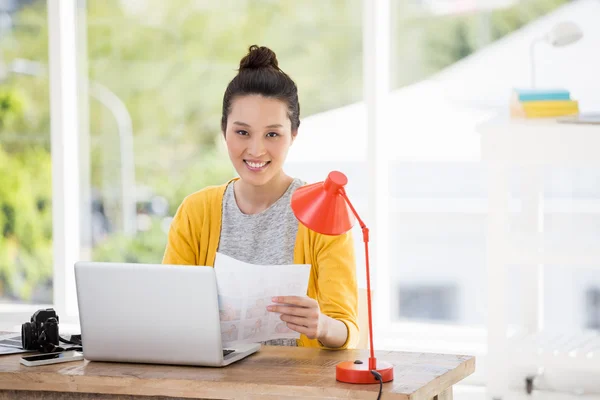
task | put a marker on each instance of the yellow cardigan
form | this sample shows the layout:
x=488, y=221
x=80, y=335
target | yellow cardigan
x=194, y=238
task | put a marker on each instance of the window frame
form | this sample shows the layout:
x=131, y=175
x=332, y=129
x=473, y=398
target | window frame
x=64, y=130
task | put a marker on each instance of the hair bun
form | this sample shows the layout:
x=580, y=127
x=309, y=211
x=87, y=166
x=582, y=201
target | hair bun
x=259, y=57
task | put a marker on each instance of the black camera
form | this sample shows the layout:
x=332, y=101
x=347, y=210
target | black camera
x=41, y=333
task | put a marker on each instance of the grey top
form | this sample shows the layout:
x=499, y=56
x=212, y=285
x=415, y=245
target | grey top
x=266, y=238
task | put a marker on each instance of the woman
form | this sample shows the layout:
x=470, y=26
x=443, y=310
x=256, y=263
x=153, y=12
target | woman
x=250, y=218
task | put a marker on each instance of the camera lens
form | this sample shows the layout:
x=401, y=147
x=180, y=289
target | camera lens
x=27, y=337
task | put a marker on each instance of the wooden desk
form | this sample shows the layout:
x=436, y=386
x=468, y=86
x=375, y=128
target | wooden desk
x=272, y=373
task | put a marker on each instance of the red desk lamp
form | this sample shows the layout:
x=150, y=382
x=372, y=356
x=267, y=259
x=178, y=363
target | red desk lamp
x=324, y=208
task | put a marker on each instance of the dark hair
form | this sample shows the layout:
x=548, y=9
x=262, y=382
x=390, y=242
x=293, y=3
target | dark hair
x=260, y=74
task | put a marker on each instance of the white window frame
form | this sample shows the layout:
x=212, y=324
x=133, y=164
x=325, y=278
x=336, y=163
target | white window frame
x=64, y=122
x=376, y=70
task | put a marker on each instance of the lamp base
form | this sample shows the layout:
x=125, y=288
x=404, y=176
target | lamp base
x=358, y=371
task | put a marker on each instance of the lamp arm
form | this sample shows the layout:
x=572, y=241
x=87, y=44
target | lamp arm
x=360, y=221
x=365, y=230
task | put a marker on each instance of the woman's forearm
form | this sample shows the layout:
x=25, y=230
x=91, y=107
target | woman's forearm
x=336, y=333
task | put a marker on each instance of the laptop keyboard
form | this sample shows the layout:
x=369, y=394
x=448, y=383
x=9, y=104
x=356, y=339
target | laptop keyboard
x=227, y=352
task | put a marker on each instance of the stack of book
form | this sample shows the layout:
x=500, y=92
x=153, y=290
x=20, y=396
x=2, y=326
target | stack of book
x=542, y=103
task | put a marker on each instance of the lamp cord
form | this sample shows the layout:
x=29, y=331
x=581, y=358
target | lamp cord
x=378, y=377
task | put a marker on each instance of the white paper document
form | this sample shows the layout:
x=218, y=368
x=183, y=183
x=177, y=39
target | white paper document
x=245, y=290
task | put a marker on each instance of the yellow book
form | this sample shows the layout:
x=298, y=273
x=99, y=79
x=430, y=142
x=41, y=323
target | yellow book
x=541, y=109
x=550, y=105
x=550, y=113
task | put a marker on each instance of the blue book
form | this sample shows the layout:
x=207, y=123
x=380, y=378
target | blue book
x=542, y=94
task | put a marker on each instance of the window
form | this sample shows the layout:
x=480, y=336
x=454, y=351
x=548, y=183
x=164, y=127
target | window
x=26, y=268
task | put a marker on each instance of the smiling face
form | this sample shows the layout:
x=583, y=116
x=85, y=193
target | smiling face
x=258, y=136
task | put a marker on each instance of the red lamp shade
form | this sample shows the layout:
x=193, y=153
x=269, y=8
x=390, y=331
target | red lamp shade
x=324, y=208
x=320, y=207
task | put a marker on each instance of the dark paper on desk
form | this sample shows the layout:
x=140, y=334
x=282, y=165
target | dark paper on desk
x=11, y=344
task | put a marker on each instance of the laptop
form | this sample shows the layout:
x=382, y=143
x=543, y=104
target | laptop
x=152, y=313
x=582, y=118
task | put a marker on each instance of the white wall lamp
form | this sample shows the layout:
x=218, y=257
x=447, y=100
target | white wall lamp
x=562, y=34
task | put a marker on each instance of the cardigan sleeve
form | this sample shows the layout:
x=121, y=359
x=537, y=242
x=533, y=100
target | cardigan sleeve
x=337, y=287
x=181, y=248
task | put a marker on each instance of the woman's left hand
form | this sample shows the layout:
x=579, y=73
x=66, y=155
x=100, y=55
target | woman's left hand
x=301, y=314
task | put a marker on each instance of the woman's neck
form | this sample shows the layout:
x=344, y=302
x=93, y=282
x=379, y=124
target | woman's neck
x=255, y=199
